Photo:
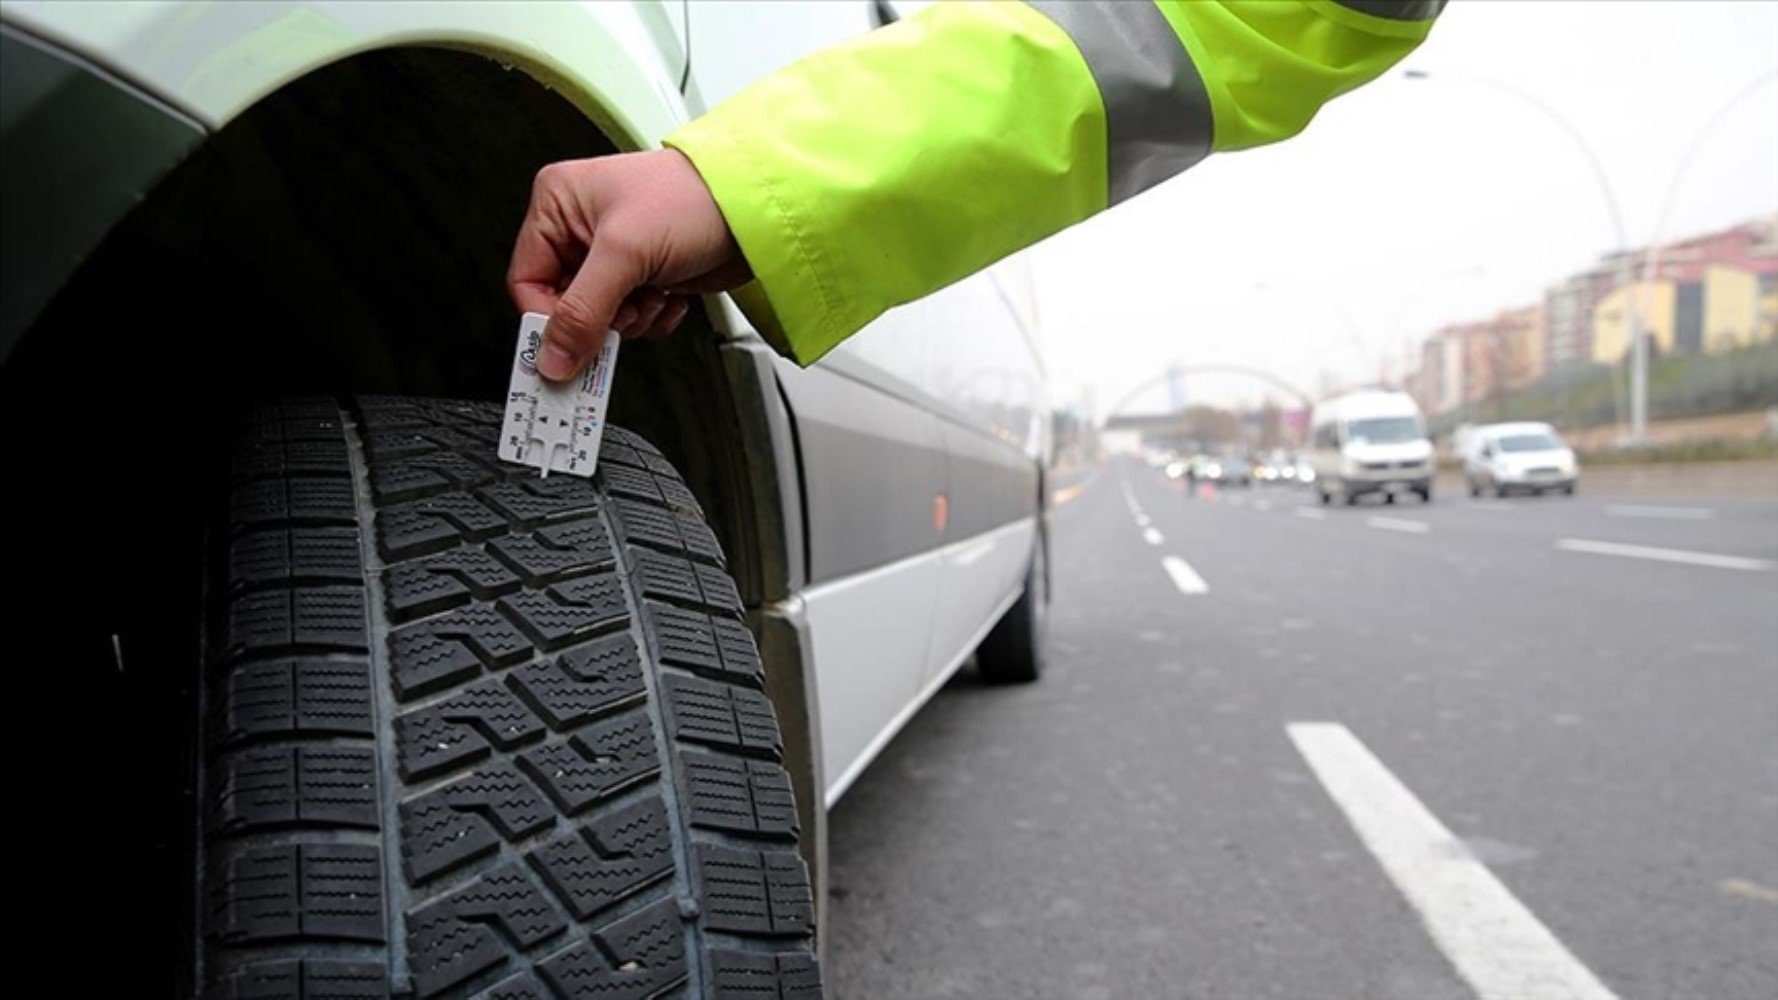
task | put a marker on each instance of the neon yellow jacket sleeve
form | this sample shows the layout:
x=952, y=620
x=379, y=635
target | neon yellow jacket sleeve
x=877, y=171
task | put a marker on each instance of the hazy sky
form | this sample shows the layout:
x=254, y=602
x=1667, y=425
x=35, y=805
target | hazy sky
x=1398, y=192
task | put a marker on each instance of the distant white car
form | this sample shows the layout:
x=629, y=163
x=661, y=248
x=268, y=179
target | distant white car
x=1526, y=457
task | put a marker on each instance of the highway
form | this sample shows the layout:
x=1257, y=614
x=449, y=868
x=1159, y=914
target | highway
x=1474, y=748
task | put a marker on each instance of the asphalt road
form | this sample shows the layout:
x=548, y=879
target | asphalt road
x=1593, y=731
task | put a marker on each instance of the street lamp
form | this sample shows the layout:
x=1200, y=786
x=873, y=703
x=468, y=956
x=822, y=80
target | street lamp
x=1652, y=259
x=1638, y=343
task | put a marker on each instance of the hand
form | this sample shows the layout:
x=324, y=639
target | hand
x=618, y=242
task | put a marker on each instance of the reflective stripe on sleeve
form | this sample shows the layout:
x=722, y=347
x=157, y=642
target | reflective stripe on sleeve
x=1157, y=111
x=1396, y=10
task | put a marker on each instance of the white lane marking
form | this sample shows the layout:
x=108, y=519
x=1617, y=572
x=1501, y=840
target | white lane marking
x=1711, y=559
x=1152, y=536
x=1123, y=483
x=1262, y=504
x=1184, y=577
x=1668, y=513
x=1312, y=513
x=1399, y=524
x=1498, y=946
x=1142, y=521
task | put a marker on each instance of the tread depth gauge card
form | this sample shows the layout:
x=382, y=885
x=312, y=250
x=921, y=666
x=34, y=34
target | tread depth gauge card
x=555, y=426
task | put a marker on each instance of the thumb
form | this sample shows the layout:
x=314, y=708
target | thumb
x=584, y=312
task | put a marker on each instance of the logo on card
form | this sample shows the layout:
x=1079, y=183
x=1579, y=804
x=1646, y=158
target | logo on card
x=528, y=356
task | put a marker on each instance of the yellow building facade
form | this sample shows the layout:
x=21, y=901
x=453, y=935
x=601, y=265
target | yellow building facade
x=1654, y=302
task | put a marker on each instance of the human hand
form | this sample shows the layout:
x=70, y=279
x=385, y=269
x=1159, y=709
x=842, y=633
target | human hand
x=618, y=242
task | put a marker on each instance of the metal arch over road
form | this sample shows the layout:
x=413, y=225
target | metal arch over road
x=1261, y=374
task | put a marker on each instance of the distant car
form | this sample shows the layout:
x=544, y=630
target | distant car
x=1370, y=442
x=1522, y=457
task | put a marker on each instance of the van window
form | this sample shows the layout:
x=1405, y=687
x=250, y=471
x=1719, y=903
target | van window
x=1384, y=430
x=1535, y=441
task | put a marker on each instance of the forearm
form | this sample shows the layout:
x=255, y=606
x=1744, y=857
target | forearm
x=875, y=172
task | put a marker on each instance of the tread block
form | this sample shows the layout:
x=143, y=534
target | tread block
x=455, y=646
x=716, y=646
x=644, y=485
x=585, y=681
x=721, y=715
x=608, y=860
x=569, y=610
x=460, y=729
x=453, y=937
x=747, y=891
x=300, y=448
x=465, y=819
x=669, y=532
x=532, y=500
x=752, y=975
x=308, y=500
x=441, y=582
x=307, y=618
x=596, y=762
x=646, y=955
x=556, y=549
x=424, y=472
x=283, y=555
x=332, y=891
x=747, y=797
x=304, y=695
x=434, y=523
x=310, y=785
x=307, y=979
x=667, y=578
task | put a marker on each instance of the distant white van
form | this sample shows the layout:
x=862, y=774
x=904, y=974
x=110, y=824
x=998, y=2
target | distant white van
x=1370, y=442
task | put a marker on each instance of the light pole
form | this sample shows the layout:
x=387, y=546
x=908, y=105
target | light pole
x=1638, y=343
x=1652, y=260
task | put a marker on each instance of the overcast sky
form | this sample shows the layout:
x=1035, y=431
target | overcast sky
x=1397, y=193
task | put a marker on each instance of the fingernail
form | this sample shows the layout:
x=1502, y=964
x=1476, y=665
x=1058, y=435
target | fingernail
x=555, y=362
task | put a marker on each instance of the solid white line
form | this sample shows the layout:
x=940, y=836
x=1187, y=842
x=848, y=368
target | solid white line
x=1152, y=536
x=1499, y=947
x=1710, y=559
x=1669, y=513
x=1399, y=524
x=1184, y=577
x=1312, y=513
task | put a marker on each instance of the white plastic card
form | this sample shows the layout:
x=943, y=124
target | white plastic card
x=555, y=426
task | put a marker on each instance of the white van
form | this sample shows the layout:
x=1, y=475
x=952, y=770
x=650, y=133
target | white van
x=1370, y=442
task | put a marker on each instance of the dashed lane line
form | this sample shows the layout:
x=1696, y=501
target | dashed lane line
x=1495, y=942
x=1399, y=524
x=1311, y=513
x=1664, y=513
x=1152, y=536
x=1184, y=577
x=1711, y=559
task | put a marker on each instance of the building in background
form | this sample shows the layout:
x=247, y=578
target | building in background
x=1521, y=340
x=1568, y=316
x=1656, y=310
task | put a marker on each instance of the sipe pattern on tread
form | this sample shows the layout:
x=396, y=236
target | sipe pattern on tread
x=534, y=708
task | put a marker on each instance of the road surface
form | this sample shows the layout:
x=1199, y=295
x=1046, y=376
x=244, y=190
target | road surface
x=1476, y=748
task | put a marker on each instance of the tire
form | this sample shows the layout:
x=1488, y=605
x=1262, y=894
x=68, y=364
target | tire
x=1474, y=490
x=1568, y=490
x=1013, y=651
x=1326, y=497
x=1425, y=495
x=474, y=732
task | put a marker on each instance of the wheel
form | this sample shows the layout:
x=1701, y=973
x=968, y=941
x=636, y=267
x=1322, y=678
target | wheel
x=1474, y=490
x=1568, y=490
x=1350, y=497
x=1425, y=495
x=1013, y=651
x=1326, y=497
x=473, y=731
x=1389, y=498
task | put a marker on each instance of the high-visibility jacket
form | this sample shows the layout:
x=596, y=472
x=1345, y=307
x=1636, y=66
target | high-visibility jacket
x=877, y=171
